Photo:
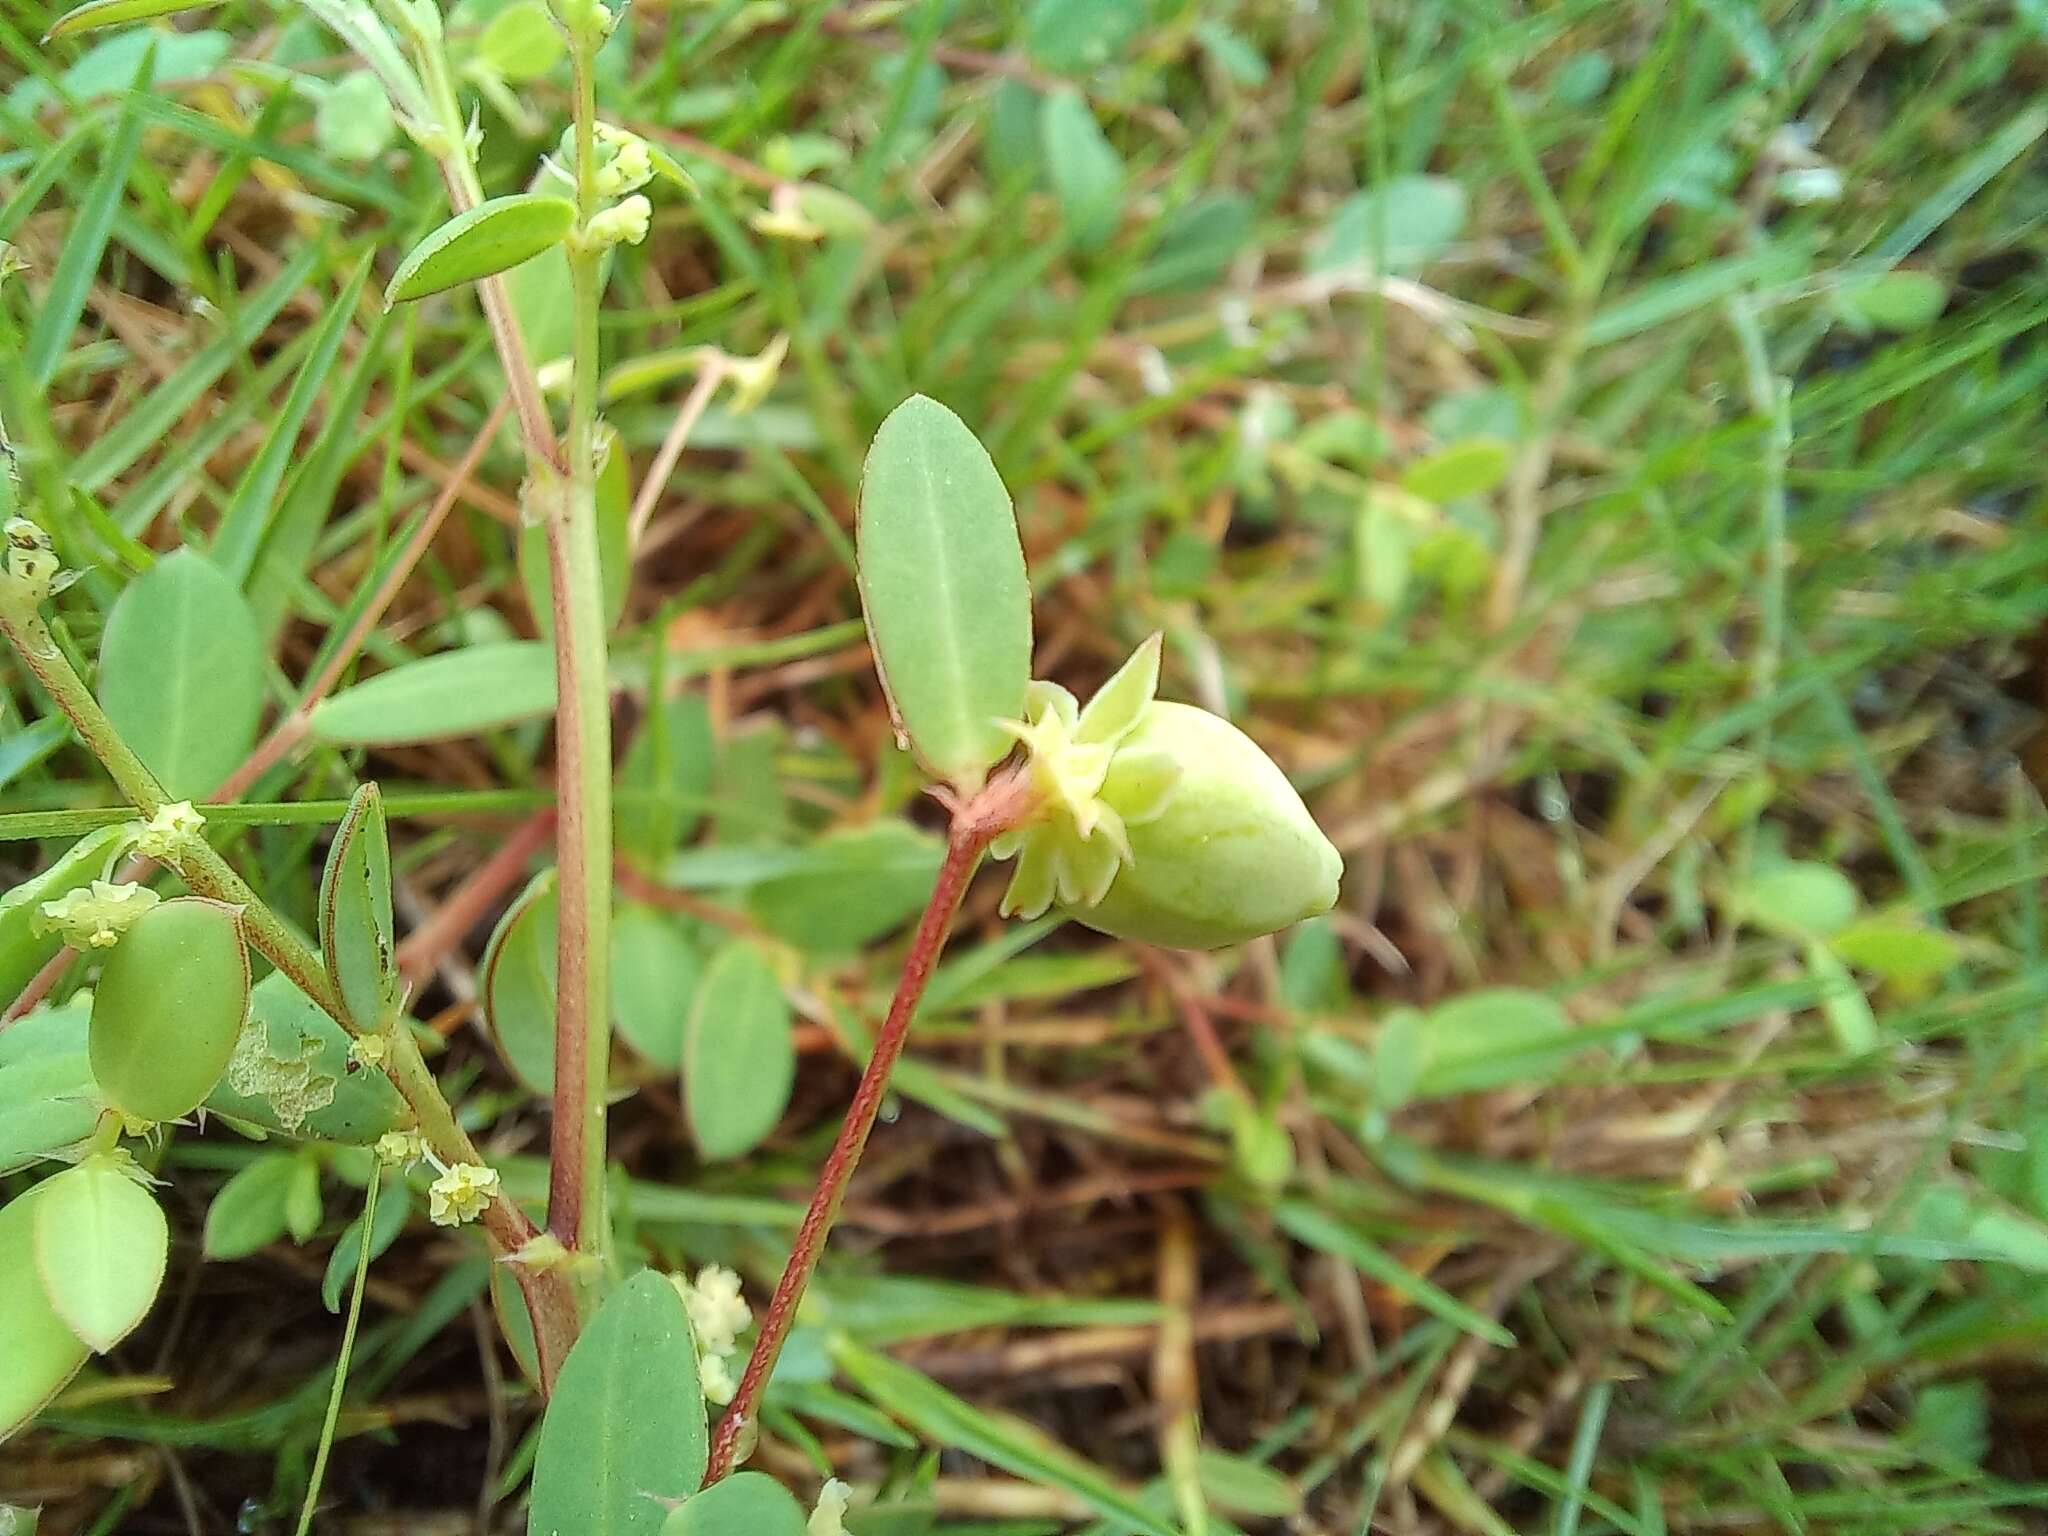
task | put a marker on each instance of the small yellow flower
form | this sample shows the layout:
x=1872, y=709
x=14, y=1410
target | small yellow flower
x=622, y=223
x=400, y=1147
x=95, y=916
x=460, y=1194
x=174, y=827
x=368, y=1050
x=1072, y=850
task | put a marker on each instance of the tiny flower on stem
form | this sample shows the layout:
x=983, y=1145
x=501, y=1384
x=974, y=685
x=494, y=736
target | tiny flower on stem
x=96, y=916
x=173, y=828
x=461, y=1194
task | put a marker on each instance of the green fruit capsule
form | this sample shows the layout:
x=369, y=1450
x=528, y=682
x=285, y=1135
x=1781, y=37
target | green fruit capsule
x=38, y=1354
x=1160, y=822
x=169, y=1007
x=1232, y=854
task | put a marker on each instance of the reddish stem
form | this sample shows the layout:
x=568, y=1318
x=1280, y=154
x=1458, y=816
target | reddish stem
x=975, y=825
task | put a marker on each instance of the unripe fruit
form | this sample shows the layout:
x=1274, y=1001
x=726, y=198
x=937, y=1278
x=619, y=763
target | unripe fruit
x=1233, y=855
x=38, y=1354
x=168, y=1008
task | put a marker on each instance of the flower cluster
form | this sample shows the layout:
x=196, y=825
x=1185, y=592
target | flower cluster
x=174, y=828
x=95, y=916
x=718, y=1315
x=461, y=1193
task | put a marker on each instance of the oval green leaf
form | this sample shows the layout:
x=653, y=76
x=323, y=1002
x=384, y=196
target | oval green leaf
x=101, y=1246
x=490, y=238
x=655, y=971
x=744, y=1504
x=1463, y=469
x=624, y=1433
x=355, y=912
x=291, y=1073
x=519, y=984
x=943, y=586
x=47, y=1102
x=38, y=1353
x=181, y=673
x=169, y=1007
x=1798, y=898
x=1396, y=227
x=1086, y=172
x=95, y=14
x=248, y=1212
x=665, y=781
x=455, y=693
x=850, y=887
x=1490, y=1037
x=739, y=1055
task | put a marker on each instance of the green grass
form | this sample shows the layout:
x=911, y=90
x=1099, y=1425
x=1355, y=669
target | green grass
x=1601, y=559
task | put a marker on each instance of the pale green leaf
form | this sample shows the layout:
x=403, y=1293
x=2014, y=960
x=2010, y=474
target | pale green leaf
x=624, y=1430
x=95, y=14
x=1487, y=1038
x=1463, y=469
x=943, y=586
x=354, y=120
x=850, y=887
x=522, y=42
x=101, y=1247
x=291, y=1073
x=744, y=1504
x=1798, y=898
x=1393, y=228
x=665, y=779
x=1900, y=300
x=492, y=237
x=248, y=1212
x=519, y=970
x=181, y=673
x=355, y=912
x=656, y=967
x=739, y=1056
x=455, y=693
x=1086, y=172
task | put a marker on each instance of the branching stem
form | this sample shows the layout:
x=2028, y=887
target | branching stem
x=976, y=824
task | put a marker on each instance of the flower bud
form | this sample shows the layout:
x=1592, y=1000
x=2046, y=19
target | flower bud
x=1160, y=822
x=1232, y=855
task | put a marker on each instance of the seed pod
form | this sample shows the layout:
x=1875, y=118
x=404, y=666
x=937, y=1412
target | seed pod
x=168, y=1008
x=1232, y=855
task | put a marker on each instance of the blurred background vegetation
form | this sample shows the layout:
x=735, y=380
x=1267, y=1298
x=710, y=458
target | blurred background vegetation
x=1596, y=446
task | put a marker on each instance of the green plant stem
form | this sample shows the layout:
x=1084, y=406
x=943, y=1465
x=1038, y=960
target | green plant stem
x=348, y=1349
x=1000, y=806
x=576, y=1191
x=465, y=191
